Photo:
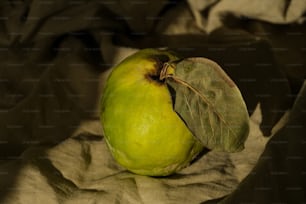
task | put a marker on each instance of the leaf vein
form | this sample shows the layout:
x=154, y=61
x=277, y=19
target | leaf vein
x=204, y=99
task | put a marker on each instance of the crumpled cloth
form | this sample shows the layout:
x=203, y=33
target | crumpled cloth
x=274, y=11
x=56, y=55
x=81, y=170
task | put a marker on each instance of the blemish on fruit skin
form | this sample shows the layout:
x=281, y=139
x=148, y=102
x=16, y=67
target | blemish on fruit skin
x=153, y=78
x=159, y=61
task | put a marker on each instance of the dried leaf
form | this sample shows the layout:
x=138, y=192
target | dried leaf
x=209, y=102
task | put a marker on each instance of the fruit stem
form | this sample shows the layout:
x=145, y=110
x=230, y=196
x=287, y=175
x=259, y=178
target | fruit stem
x=167, y=70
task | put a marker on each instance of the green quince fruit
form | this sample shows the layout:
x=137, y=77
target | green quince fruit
x=143, y=132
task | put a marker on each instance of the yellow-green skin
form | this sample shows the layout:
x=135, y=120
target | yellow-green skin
x=143, y=132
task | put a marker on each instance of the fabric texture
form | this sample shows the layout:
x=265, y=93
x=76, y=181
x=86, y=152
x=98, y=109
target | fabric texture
x=56, y=55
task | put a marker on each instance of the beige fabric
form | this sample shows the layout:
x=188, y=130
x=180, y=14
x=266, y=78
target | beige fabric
x=81, y=170
x=273, y=11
